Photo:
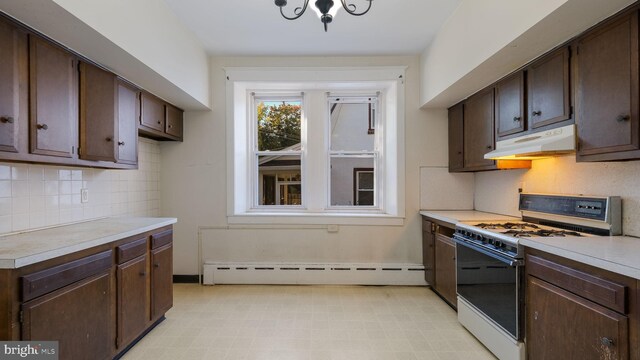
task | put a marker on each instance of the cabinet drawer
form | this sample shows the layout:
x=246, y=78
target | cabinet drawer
x=598, y=290
x=131, y=250
x=48, y=280
x=161, y=239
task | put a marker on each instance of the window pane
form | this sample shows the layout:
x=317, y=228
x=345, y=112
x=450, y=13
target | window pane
x=348, y=175
x=280, y=180
x=350, y=125
x=278, y=125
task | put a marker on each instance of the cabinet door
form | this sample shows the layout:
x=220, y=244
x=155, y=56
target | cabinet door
x=561, y=325
x=133, y=310
x=445, y=253
x=98, y=132
x=153, y=112
x=161, y=281
x=456, y=138
x=53, y=99
x=128, y=114
x=510, y=105
x=78, y=316
x=174, y=122
x=11, y=42
x=428, y=251
x=607, y=89
x=478, y=130
x=548, y=89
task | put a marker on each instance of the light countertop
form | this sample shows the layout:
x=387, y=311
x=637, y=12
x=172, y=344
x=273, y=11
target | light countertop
x=27, y=248
x=619, y=254
x=454, y=216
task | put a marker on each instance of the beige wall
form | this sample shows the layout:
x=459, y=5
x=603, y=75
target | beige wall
x=194, y=182
x=35, y=196
x=497, y=191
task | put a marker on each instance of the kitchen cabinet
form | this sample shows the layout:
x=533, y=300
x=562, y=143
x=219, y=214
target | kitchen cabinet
x=77, y=316
x=133, y=297
x=53, y=84
x=510, y=108
x=478, y=130
x=13, y=73
x=548, y=89
x=159, y=120
x=96, y=301
x=456, y=138
x=161, y=273
x=428, y=251
x=575, y=311
x=445, y=272
x=607, y=91
x=108, y=117
x=438, y=257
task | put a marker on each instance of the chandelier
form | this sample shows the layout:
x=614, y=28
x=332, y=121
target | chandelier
x=324, y=8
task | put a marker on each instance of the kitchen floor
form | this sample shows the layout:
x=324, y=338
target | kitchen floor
x=308, y=322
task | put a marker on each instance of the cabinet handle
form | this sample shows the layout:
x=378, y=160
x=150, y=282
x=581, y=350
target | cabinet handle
x=459, y=152
x=156, y=265
x=6, y=120
x=606, y=342
x=622, y=118
x=42, y=127
x=121, y=143
x=536, y=113
x=170, y=126
x=108, y=139
x=489, y=147
x=143, y=273
x=517, y=118
x=159, y=122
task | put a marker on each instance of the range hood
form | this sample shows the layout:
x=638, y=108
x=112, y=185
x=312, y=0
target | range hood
x=560, y=141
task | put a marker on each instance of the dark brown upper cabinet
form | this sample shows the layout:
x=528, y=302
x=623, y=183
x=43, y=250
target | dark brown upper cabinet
x=478, y=130
x=153, y=112
x=13, y=43
x=174, y=122
x=128, y=115
x=108, y=117
x=53, y=77
x=456, y=138
x=548, y=85
x=98, y=107
x=510, y=108
x=607, y=91
x=159, y=120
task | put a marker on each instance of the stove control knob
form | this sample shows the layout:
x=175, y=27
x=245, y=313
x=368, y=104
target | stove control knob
x=498, y=244
x=479, y=237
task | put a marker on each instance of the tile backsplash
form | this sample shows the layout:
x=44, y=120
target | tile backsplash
x=35, y=196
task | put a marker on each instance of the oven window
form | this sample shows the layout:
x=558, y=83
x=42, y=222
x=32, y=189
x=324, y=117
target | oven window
x=491, y=286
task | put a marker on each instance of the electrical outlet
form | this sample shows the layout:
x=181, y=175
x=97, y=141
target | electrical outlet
x=84, y=195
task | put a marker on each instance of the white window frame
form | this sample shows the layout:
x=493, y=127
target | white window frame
x=363, y=81
x=378, y=204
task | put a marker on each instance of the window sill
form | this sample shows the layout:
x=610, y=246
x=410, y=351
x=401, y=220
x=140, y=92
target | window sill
x=292, y=218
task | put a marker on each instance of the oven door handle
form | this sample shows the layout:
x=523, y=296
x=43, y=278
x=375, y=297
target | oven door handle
x=509, y=261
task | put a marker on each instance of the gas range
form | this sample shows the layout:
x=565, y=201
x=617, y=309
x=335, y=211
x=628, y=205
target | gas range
x=544, y=216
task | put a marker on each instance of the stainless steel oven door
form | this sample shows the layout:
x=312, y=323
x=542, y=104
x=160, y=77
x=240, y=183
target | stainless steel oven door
x=492, y=284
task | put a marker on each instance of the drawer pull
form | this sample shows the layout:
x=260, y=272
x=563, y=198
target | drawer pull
x=156, y=265
x=121, y=143
x=6, y=120
x=536, y=113
x=143, y=273
x=42, y=126
x=606, y=342
x=108, y=139
x=623, y=118
x=517, y=118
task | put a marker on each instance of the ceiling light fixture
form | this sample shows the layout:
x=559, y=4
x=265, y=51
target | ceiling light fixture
x=324, y=9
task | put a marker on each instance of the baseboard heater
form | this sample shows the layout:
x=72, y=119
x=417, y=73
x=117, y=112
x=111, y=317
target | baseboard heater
x=312, y=274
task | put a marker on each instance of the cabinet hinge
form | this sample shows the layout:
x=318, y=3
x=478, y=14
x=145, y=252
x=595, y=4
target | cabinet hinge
x=21, y=316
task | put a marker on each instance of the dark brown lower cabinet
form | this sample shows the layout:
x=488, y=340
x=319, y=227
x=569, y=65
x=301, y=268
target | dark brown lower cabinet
x=78, y=316
x=132, y=299
x=428, y=251
x=445, y=253
x=563, y=325
x=161, y=281
x=576, y=311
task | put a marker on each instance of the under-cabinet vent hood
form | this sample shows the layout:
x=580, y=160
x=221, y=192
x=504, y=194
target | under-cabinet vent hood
x=560, y=141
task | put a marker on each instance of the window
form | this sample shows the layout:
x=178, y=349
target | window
x=319, y=146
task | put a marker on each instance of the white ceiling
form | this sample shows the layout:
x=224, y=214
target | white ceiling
x=255, y=27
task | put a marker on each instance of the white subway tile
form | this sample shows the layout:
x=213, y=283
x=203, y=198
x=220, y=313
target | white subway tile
x=5, y=206
x=5, y=188
x=20, y=172
x=5, y=172
x=5, y=224
x=19, y=188
x=20, y=205
x=51, y=187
